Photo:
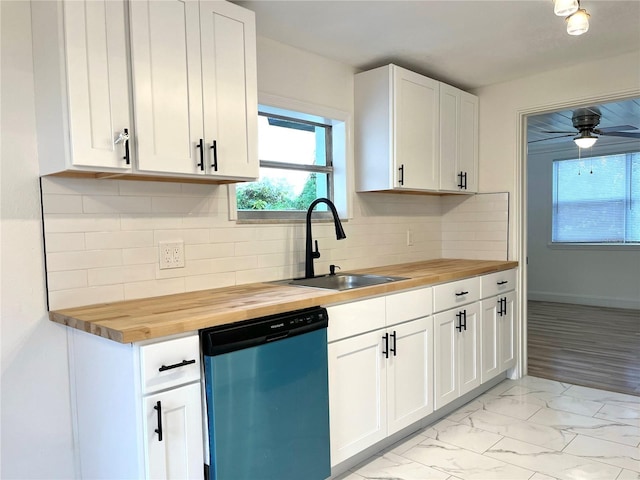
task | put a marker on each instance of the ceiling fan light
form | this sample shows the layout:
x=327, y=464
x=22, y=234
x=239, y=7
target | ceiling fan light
x=564, y=8
x=578, y=23
x=585, y=140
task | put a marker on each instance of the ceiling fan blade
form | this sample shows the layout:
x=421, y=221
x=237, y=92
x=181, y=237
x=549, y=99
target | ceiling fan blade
x=617, y=128
x=621, y=134
x=551, y=138
x=574, y=132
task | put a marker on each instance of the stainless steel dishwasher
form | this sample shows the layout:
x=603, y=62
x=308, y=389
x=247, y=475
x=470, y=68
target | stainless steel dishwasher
x=266, y=383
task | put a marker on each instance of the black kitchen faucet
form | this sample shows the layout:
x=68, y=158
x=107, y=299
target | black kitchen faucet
x=309, y=253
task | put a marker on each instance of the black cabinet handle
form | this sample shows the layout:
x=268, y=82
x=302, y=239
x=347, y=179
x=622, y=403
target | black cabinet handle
x=385, y=352
x=176, y=365
x=126, y=157
x=214, y=147
x=462, y=183
x=158, y=408
x=462, y=320
x=503, y=306
x=503, y=282
x=401, y=169
x=393, y=335
x=201, y=147
x=461, y=294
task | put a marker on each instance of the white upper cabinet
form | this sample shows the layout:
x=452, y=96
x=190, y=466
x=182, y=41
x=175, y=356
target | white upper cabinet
x=396, y=130
x=195, y=88
x=81, y=85
x=186, y=68
x=414, y=133
x=458, y=140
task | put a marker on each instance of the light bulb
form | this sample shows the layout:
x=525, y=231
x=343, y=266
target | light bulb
x=585, y=139
x=578, y=23
x=564, y=8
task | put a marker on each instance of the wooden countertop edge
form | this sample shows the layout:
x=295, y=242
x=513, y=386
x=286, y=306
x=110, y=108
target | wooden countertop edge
x=108, y=320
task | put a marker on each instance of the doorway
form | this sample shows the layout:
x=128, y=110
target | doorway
x=583, y=304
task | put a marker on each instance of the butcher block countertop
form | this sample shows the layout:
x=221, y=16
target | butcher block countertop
x=155, y=317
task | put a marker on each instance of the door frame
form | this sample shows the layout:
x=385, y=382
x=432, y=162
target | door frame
x=521, y=185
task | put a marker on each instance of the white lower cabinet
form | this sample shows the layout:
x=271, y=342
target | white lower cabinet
x=138, y=408
x=457, y=353
x=380, y=381
x=173, y=423
x=498, y=335
x=357, y=394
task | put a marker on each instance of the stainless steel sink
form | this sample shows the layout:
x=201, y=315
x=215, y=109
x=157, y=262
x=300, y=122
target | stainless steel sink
x=343, y=281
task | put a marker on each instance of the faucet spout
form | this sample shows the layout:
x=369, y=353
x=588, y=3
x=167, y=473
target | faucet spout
x=309, y=253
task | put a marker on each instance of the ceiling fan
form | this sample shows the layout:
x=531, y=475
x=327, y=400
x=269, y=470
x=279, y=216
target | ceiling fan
x=585, y=121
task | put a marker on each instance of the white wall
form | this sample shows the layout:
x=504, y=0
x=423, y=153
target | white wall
x=36, y=414
x=603, y=276
x=500, y=105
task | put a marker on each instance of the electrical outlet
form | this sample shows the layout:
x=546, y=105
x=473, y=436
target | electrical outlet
x=409, y=238
x=171, y=255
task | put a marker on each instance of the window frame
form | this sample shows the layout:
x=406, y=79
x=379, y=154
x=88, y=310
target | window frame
x=594, y=245
x=337, y=150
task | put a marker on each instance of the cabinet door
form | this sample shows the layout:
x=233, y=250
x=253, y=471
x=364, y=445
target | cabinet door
x=229, y=89
x=489, y=339
x=165, y=44
x=458, y=140
x=469, y=349
x=409, y=373
x=445, y=348
x=357, y=394
x=179, y=453
x=468, y=140
x=97, y=81
x=416, y=114
x=507, y=332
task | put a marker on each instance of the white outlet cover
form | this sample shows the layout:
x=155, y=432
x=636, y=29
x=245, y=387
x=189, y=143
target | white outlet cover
x=171, y=255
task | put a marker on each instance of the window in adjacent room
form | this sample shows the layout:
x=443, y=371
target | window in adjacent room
x=597, y=200
x=296, y=167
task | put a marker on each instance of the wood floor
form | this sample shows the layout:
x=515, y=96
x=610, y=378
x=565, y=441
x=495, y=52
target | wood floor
x=590, y=346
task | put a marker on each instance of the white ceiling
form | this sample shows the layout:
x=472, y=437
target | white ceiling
x=468, y=44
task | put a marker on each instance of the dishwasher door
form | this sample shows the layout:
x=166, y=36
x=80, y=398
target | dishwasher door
x=268, y=404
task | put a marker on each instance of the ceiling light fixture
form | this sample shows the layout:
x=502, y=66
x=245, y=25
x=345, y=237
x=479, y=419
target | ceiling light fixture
x=585, y=139
x=578, y=23
x=564, y=8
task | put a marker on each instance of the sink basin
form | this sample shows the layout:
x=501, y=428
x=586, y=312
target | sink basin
x=344, y=281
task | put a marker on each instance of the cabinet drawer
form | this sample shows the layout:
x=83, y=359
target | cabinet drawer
x=460, y=292
x=170, y=363
x=496, y=283
x=409, y=305
x=355, y=318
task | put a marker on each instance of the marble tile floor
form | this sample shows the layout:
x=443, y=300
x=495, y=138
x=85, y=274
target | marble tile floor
x=531, y=428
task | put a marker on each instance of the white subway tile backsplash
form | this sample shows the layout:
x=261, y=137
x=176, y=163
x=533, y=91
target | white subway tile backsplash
x=79, y=186
x=212, y=280
x=77, y=297
x=137, y=256
x=184, y=205
x=107, y=250
x=67, y=279
x=111, y=240
x=61, y=261
x=65, y=242
x=67, y=223
x=55, y=203
x=149, y=189
x=209, y=250
x=116, y=204
x=121, y=274
x=154, y=288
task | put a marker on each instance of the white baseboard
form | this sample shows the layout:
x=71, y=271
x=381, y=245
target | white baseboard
x=584, y=300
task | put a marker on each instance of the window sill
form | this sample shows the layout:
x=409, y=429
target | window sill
x=594, y=246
